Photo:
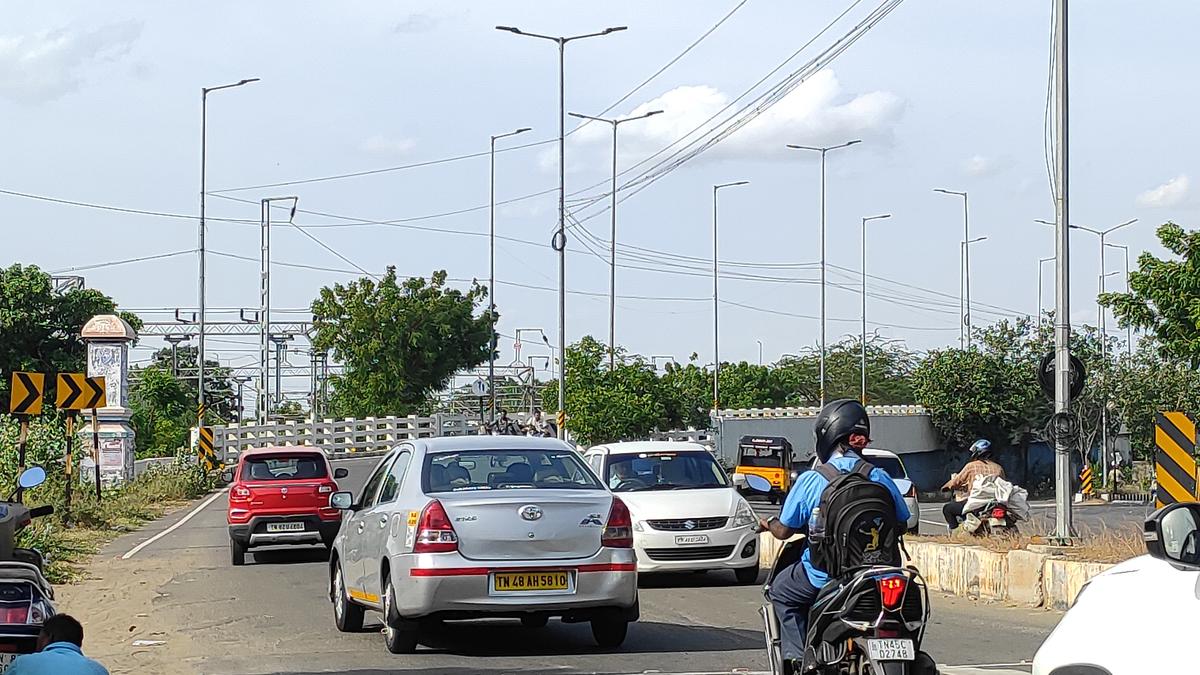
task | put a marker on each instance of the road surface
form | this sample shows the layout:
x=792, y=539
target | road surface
x=273, y=616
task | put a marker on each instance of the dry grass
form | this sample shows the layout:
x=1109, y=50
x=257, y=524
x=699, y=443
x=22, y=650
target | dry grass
x=1104, y=546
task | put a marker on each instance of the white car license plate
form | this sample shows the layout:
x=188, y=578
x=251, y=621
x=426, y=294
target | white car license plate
x=285, y=527
x=6, y=659
x=690, y=539
x=891, y=650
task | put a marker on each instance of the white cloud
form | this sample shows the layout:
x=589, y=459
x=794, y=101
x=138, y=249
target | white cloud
x=1169, y=193
x=416, y=23
x=47, y=65
x=382, y=145
x=979, y=166
x=818, y=112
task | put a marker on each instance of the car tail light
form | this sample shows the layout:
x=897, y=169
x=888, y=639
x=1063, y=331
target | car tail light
x=912, y=491
x=618, y=533
x=999, y=512
x=435, y=534
x=326, y=489
x=239, y=493
x=891, y=591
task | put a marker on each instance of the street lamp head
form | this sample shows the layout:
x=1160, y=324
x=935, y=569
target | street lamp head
x=853, y=142
x=248, y=81
x=511, y=29
x=950, y=192
x=735, y=183
x=879, y=217
x=652, y=113
x=522, y=130
x=614, y=29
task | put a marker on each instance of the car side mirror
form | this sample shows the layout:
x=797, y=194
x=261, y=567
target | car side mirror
x=1172, y=533
x=342, y=501
x=341, y=472
x=739, y=480
x=758, y=483
x=227, y=476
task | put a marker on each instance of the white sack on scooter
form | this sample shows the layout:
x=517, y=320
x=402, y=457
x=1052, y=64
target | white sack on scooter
x=987, y=489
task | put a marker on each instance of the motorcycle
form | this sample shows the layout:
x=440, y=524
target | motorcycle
x=994, y=518
x=994, y=507
x=26, y=597
x=870, y=621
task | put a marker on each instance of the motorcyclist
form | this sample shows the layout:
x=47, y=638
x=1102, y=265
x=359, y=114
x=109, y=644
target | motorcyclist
x=504, y=425
x=980, y=464
x=538, y=423
x=842, y=430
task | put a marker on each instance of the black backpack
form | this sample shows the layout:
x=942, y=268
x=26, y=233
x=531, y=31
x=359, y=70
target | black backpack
x=860, y=524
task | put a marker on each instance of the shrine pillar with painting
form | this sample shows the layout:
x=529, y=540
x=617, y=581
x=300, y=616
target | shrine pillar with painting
x=108, y=339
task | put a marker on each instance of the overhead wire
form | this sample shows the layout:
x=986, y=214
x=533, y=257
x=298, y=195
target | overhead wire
x=125, y=261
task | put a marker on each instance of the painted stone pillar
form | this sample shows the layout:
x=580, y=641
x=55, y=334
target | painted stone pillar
x=108, y=339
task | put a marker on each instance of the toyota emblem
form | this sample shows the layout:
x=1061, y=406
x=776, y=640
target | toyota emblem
x=531, y=512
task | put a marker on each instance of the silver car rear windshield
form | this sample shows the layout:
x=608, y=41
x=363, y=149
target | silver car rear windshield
x=471, y=470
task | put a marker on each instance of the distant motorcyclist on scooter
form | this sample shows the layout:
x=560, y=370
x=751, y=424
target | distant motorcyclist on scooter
x=842, y=430
x=982, y=463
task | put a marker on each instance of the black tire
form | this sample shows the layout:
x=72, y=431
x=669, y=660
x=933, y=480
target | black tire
x=399, y=635
x=535, y=621
x=237, y=553
x=347, y=616
x=746, y=576
x=609, y=632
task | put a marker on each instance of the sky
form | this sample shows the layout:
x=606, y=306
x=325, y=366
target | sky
x=101, y=105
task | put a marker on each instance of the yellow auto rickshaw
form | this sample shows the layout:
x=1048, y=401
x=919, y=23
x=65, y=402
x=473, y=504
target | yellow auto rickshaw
x=769, y=457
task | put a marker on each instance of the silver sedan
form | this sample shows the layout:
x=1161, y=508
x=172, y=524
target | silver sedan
x=480, y=527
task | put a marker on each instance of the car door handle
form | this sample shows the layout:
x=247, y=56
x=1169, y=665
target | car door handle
x=383, y=521
x=361, y=526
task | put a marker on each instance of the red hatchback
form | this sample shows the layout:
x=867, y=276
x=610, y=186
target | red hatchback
x=281, y=496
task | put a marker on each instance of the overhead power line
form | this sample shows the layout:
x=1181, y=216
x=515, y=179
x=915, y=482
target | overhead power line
x=126, y=261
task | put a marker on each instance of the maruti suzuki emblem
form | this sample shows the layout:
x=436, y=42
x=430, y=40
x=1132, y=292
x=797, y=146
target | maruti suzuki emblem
x=531, y=512
x=689, y=524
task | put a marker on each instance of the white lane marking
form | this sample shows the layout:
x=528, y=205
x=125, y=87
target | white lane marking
x=137, y=549
x=934, y=523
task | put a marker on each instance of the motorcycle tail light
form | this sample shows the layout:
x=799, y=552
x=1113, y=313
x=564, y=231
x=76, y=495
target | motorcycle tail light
x=999, y=512
x=891, y=591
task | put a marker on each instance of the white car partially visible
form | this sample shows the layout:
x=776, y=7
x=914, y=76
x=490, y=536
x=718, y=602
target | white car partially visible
x=1138, y=617
x=891, y=463
x=686, y=514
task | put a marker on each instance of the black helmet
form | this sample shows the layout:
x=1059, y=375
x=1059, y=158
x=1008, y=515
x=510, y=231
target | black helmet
x=981, y=449
x=836, y=421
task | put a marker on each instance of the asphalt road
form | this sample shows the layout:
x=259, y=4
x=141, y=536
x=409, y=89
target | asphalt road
x=273, y=616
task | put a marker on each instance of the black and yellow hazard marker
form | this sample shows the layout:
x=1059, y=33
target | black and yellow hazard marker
x=1087, y=486
x=208, y=455
x=1175, y=466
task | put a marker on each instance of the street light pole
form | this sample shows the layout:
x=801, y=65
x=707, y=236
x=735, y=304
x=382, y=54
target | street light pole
x=264, y=309
x=716, y=309
x=204, y=91
x=759, y=351
x=824, y=151
x=964, y=256
x=964, y=302
x=1041, y=263
x=492, y=264
x=1128, y=328
x=1104, y=401
x=612, y=273
x=863, y=397
x=560, y=236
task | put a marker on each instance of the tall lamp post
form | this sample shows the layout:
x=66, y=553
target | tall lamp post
x=964, y=297
x=1104, y=460
x=560, y=236
x=863, y=398
x=203, y=249
x=964, y=257
x=492, y=264
x=716, y=309
x=264, y=309
x=612, y=263
x=1128, y=329
x=824, y=151
x=1041, y=307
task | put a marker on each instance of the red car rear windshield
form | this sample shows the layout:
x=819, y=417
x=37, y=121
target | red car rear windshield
x=284, y=467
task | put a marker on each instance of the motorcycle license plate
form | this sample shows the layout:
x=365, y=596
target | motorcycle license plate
x=891, y=650
x=6, y=659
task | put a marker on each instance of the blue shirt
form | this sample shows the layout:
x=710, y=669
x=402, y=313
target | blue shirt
x=806, y=496
x=58, y=658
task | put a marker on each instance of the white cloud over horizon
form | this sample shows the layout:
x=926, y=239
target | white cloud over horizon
x=979, y=166
x=1170, y=193
x=49, y=64
x=383, y=145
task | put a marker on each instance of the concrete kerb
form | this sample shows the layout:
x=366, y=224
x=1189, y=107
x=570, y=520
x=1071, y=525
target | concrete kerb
x=1023, y=578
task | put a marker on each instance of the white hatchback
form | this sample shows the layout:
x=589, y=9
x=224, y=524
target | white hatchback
x=686, y=514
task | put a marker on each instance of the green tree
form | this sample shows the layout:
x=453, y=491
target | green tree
x=1148, y=384
x=622, y=404
x=687, y=393
x=890, y=366
x=399, y=343
x=39, y=328
x=220, y=393
x=1164, y=296
x=163, y=411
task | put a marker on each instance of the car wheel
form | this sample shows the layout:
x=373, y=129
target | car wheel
x=609, y=631
x=399, y=635
x=237, y=553
x=535, y=620
x=746, y=575
x=347, y=616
